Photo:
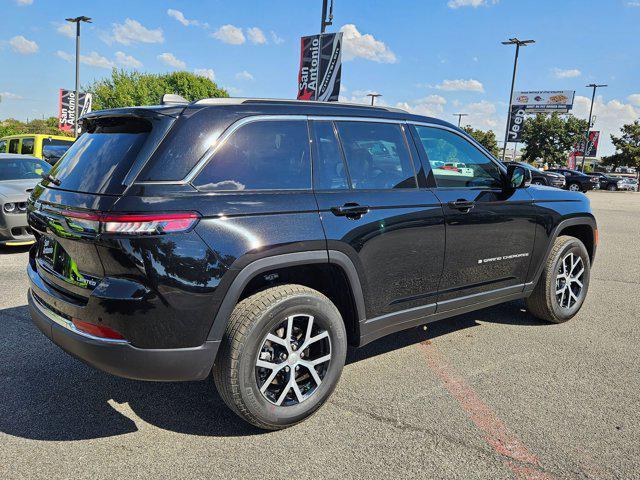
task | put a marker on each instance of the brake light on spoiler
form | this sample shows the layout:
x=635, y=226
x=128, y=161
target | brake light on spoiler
x=133, y=223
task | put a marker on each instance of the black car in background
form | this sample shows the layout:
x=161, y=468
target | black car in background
x=607, y=182
x=577, y=181
x=540, y=177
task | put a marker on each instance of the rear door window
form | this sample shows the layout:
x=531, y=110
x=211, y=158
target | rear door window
x=101, y=157
x=261, y=155
x=28, y=146
x=377, y=155
x=14, y=145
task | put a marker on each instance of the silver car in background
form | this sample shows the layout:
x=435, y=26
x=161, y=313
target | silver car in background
x=18, y=175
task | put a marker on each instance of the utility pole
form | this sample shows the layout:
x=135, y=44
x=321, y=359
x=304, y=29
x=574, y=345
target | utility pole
x=460, y=115
x=373, y=96
x=77, y=21
x=518, y=43
x=586, y=139
x=326, y=22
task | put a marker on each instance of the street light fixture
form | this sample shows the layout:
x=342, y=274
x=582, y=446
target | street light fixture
x=373, y=96
x=586, y=139
x=518, y=43
x=460, y=115
x=77, y=21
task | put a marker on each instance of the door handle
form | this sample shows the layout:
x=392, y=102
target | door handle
x=350, y=210
x=463, y=205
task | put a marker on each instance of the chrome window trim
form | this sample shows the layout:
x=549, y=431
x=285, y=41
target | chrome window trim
x=67, y=324
x=231, y=129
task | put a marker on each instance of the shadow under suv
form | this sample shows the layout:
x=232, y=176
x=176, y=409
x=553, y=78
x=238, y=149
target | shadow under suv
x=255, y=239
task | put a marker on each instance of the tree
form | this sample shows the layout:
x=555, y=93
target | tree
x=126, y=89
x=627, y=147
x=551, y=138
x=48, y=126
x=486, y=139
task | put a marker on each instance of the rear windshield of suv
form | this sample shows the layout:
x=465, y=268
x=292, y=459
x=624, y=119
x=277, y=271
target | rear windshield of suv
x=101, y=158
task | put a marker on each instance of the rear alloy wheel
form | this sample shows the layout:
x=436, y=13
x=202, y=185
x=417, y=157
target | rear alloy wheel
x=564, y=282
x=575, y=187
x=281, y=356
x=612, y=188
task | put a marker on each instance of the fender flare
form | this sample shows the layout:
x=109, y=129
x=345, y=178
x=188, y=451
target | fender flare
x=569, y=222
x=246, y=274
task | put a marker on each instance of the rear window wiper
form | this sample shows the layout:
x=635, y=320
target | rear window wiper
x=51, y=178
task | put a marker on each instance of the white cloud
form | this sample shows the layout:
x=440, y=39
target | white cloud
x=179, y=16
x=244, y=75
x=634, y=99
x=229, y=34
x=94, y=59
x=470, y=85
x=67, y=29
x=430, y=106
x=482, y=115
x=10, y=96
x=23, y=46
x=469, y=3
x=205, y=72
x=610, y=117
x=633, y=4
x=566, y=73
x=275, y=38
x=357, y=45
x=256, y=36
x=23, y=3
x=132, y=31
x=234, y=91
x=171, y=60
x=127, y=60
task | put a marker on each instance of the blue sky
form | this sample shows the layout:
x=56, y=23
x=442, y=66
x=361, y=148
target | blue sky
x=434, y=57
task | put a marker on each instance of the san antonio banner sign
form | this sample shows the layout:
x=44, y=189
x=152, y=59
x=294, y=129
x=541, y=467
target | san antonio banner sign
x=320, y=67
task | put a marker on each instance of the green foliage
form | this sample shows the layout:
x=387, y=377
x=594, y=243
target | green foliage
x=551, y=138
x=627, y=147
x=486, y=139
x=126, y=89
x=47, y=126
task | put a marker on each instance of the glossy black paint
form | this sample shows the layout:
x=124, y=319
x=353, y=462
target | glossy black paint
x=573, y=177
x=409, y=256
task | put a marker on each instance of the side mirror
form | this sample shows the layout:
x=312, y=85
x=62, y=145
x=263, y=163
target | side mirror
x=518, y=177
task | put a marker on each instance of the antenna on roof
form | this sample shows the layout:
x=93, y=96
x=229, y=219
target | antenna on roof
x=173, y=98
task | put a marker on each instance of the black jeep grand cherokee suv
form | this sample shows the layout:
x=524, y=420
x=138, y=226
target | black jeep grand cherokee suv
x=256, y=239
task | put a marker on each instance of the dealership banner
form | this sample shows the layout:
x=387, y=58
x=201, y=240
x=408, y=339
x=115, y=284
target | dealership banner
x=592, y=145
x=320, y=67
x=544, y=101
x=67, y=105
x=516, y=121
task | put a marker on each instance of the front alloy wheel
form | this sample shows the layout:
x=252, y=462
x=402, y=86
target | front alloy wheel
x=569, y=280
x=574, y=187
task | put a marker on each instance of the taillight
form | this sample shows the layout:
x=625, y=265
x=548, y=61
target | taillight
x=132, y=223
x=100, y=331
x=137, y=224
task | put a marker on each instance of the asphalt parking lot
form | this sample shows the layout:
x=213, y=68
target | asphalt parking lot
x=492, y=394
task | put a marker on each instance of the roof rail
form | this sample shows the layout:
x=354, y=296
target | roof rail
x=173, y=98
x=240, y=101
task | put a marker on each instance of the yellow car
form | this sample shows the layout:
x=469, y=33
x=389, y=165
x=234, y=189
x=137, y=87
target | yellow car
x=47, y=147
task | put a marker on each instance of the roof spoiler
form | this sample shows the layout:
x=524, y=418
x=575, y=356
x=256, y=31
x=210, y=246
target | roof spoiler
x=172, y=99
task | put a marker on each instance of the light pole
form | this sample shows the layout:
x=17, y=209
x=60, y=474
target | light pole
x=326, y=22
x=460, y=115
x=518, y=43
x=373, y=96
x=586, y=140
x=77, y=21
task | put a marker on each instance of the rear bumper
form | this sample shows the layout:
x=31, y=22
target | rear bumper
x=122, y=358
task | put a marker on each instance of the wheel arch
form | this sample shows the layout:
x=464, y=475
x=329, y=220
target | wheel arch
x=582, y=227
x=309, y=268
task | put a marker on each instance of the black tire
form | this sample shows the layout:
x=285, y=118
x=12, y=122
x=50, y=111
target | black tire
x=543, y=302
x=612, y=188
x=252, y=319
